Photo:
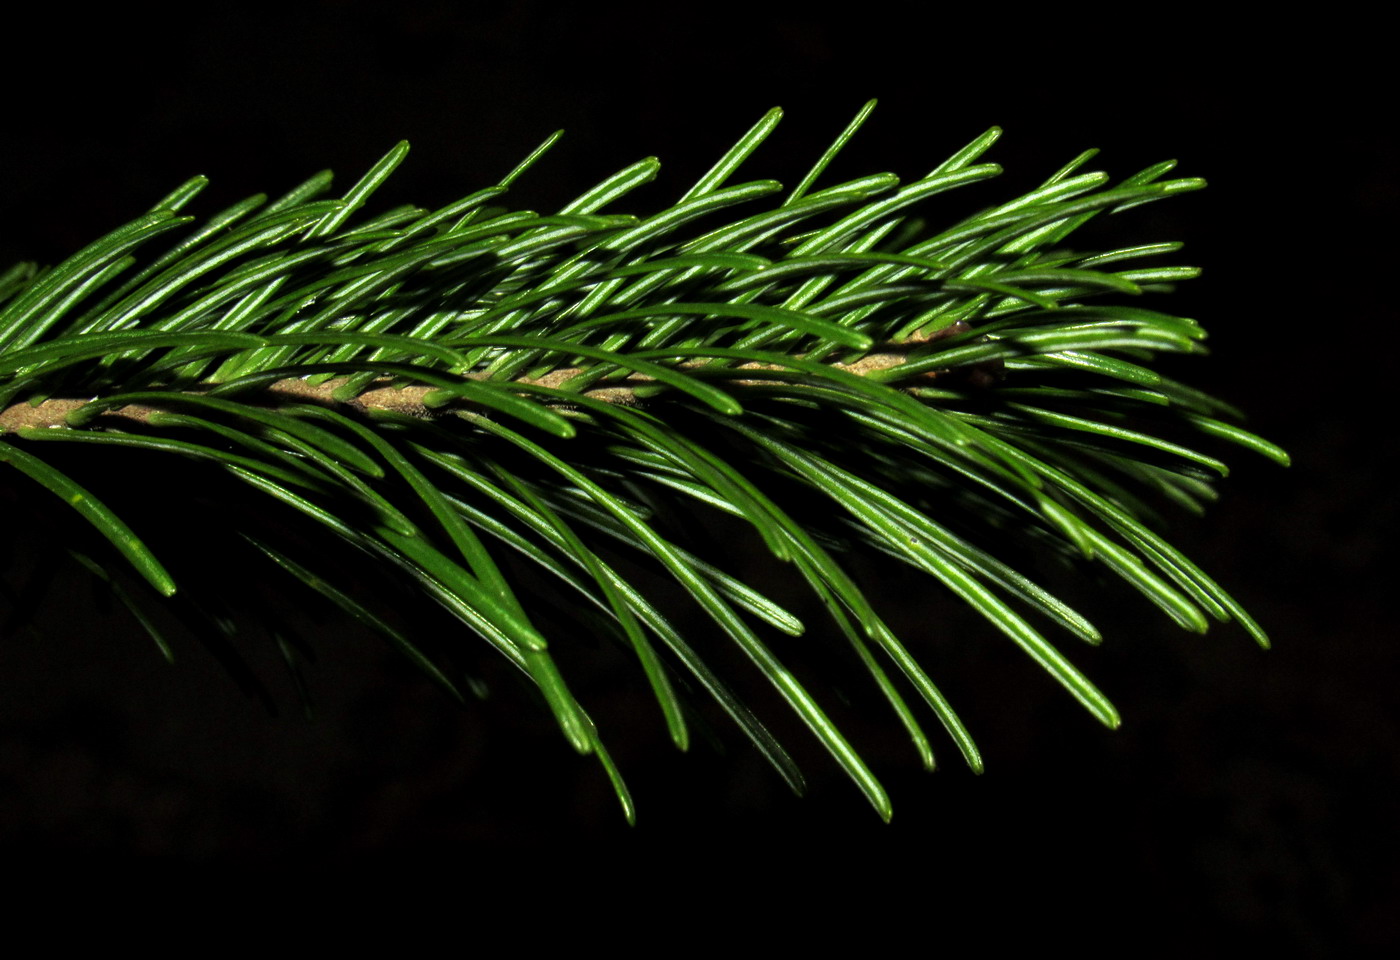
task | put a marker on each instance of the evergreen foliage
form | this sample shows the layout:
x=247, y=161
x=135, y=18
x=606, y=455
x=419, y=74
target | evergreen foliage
x=456, y=395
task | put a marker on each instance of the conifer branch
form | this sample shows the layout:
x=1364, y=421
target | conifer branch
x=444, y=389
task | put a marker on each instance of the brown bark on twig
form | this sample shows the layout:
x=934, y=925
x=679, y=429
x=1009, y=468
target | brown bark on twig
x=408, y=400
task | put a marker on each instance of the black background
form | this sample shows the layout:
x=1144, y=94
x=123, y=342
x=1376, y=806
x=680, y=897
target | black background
x=1248, y=795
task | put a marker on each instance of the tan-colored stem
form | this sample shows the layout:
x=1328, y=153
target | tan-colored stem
x=53, y=413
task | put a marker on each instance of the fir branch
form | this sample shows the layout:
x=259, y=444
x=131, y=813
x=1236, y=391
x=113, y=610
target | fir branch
x=443, y=389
